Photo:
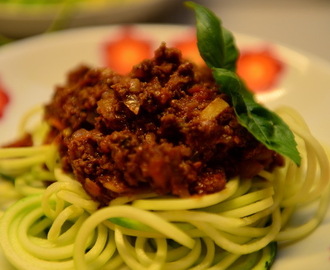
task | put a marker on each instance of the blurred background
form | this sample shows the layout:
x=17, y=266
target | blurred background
x=299, y=24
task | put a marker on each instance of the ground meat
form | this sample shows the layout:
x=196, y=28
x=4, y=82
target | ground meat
x=155, y=129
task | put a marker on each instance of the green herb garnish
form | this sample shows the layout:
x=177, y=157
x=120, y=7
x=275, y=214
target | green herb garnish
x=217, y=47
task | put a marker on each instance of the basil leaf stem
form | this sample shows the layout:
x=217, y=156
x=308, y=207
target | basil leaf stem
x=217, y=47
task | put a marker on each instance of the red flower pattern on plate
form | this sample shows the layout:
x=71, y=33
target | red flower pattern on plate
x=126, y=50
x=259, y=68
x=4, y=100
x=188, y=46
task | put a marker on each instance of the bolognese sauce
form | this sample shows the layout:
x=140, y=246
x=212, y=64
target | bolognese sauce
x=165, y=127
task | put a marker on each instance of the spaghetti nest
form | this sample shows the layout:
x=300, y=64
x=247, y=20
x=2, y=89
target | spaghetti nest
x=58, y=226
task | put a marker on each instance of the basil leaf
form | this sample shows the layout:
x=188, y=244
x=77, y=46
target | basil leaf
x=217, y=47
x=215, y=43
x=266, y=126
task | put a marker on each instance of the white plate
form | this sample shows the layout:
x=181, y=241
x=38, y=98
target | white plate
x=29, y=70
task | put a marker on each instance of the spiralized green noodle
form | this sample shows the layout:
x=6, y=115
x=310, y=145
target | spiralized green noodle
x=60, y=227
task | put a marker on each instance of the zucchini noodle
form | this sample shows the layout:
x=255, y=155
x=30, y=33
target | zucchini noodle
x=58, y=226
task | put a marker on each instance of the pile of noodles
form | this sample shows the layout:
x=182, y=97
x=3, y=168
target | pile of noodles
x=58, y=226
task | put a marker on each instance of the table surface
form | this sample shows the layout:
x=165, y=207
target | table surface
x=303, y=25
